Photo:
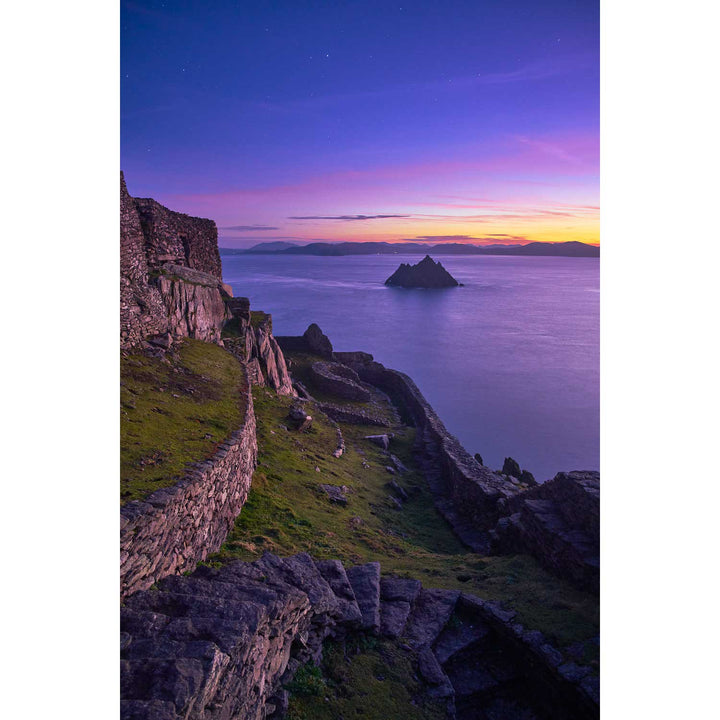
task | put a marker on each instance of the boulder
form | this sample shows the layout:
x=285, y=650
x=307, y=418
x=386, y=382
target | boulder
x=317, y=342
x=336, y=493
x=382, y=440
x=511, y=467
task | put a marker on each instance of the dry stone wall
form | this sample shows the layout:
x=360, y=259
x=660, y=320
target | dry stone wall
x=170, y=273
x=177, y=527
x=142, y=311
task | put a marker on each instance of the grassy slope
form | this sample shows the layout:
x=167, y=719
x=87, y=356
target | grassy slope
x=367, y=677
x=174, y=412
x=287, y=512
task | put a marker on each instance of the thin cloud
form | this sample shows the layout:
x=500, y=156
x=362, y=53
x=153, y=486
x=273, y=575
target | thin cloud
x=347, y=218
x=249, y=228
x=490, y=237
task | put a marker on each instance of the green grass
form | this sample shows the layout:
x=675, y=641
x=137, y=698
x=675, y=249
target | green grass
x=286, y=513
x=372, y=680
x=174, y=412
x=257, y=317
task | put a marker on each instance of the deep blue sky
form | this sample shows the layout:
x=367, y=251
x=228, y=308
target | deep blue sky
x=256, y=112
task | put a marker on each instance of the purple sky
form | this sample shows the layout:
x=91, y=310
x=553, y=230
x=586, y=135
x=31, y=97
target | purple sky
x=366, y=120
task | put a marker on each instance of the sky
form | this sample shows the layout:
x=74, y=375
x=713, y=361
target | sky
x=359, y=120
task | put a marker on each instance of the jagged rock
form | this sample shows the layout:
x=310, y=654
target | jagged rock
x=511, y=467
x=317, y=342
x=528, y=478
x=222, y=643
x=334, y=573
x=389, y=469
x=478, y=457
x=431, y=611
x=382, y=441
x=336, y=493
x=396, y=596
x=425, y=274
x=559, y=523
x=365, y=581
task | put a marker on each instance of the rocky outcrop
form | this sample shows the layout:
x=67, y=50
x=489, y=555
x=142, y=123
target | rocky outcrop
x=223, y=643
x=170, y=273
x=312, y=341
x=255, y=345
x=559, y=523
x=425, y=274
x=177, y=527
x=193, y=308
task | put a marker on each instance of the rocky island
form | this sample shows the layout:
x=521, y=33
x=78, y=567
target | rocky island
x=301, y=537
x=425, y=274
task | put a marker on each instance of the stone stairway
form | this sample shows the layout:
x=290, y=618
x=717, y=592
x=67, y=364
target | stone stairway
x=221, y=643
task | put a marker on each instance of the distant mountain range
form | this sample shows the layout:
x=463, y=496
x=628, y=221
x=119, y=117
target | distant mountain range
x=564, y=249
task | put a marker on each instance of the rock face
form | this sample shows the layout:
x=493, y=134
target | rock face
x=170, y=273
x=425, y=274
x=222, y=643
x=256, y=346
x=559, y=523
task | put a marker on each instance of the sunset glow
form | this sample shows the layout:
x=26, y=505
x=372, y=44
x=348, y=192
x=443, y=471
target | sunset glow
x=364, y=135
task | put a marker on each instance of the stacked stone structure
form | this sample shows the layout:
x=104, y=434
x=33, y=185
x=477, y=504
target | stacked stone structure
x=170, y=273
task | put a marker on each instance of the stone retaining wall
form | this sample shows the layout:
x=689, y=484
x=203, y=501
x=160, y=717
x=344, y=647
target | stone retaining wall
x=177, y=527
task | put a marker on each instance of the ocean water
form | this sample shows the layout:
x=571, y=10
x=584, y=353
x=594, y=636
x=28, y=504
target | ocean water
x=510, y=361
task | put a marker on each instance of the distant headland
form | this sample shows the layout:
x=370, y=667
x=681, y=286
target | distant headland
x=425, y=274
x=560, y=249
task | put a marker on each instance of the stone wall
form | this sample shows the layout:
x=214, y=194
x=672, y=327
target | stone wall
x=141, y=308
x=223, y=642
x=177, y=527
x=170, y=273
x=178, y=238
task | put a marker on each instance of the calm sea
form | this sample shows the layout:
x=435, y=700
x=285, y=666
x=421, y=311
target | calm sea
x=510, y=362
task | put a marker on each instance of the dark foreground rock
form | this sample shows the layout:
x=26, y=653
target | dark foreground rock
x=223, y=643
x=425, y=274
x=559, y=523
